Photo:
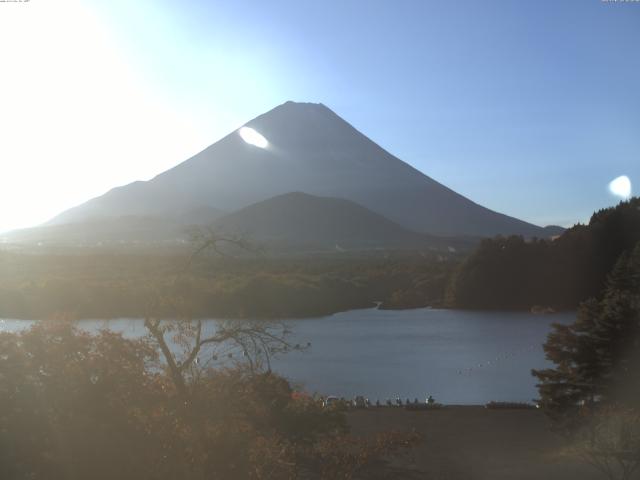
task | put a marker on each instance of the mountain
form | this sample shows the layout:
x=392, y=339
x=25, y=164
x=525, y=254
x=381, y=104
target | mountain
x=312, y=150
x=301, y=221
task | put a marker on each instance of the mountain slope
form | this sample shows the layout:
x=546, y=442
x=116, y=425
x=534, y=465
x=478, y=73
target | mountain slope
x=313, y=150
x=105, y=229
x=306, y=221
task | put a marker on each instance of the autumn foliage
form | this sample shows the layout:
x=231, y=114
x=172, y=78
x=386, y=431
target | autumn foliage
x=75, y=405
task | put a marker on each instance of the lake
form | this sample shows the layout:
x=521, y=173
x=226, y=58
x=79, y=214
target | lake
x=459, y=357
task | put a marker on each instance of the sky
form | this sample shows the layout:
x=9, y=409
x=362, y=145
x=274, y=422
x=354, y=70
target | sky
x=530, y=108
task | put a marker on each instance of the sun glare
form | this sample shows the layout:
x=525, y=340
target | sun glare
x=76, y=118
x=621, y=187
x=250, y=136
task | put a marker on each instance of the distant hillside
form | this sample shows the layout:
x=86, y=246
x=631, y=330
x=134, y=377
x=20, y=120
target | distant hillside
x=117, y=230
x=102, y=230
x=295, y=222
x=302, y=221
x=312, y=150
x=511, y=273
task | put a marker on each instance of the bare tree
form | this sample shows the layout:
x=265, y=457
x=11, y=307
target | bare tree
x=185, y=346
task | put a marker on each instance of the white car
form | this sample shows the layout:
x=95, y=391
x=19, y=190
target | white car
x=329, y=401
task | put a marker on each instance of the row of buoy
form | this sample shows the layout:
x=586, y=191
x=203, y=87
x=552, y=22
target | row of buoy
x=499, y=358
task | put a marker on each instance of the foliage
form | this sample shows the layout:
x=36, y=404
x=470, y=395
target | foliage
x=597, y=357
x=77, y=406
x=96, y=284
x=71, y=403
x=514, y=273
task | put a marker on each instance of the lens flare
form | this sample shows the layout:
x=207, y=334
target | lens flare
x=250, y=136
x=621, y=187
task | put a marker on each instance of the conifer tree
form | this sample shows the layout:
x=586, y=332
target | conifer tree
x=598, y=356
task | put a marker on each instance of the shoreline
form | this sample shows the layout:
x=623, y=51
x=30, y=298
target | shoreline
x=378, y=306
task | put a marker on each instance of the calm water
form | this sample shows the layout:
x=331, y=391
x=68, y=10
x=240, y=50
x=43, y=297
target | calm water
x=457, y=356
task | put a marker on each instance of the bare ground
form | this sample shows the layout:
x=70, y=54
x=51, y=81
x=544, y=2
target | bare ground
x=473, y=443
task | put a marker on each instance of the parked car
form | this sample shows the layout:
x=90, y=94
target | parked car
x=330, y=401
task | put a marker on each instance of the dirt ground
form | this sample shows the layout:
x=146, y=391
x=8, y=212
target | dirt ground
x=473, y=443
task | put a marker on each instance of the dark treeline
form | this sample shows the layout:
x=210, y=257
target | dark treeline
x=513, y=273
x=110, y=285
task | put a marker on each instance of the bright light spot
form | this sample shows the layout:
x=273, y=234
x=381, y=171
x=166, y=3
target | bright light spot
x=76, y=119
x=252, y=137
x=621, y=187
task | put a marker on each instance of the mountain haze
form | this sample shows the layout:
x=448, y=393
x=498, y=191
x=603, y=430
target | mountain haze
x=117, y=229
x=311, y=150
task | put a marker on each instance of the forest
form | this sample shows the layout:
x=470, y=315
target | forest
x=104, y=284
x=514, y=273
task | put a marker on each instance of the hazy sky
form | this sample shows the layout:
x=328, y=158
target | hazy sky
x=528, y=107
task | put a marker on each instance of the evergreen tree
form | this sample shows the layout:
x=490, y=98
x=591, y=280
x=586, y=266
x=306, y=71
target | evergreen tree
x=597, y=356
